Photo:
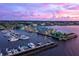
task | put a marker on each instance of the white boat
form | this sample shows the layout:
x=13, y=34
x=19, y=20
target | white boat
x=13, y=38
x=15, y=51
x=31, y=45
x=24, y=37
x=9, y=52
x=7, y=34
x=25, y=47
x=22, y=48
x=4, y=31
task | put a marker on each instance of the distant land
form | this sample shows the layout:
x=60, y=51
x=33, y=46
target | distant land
x=41, y=22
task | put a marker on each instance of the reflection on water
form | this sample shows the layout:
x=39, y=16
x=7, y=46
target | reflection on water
x=66, y=28
x=70, y=47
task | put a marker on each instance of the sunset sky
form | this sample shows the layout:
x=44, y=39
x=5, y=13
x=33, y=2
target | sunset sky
x=39, y=11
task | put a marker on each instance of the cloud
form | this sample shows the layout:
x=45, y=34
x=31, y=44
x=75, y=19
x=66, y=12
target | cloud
x=35, y=11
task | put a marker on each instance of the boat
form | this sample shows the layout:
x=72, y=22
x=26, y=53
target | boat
x=4, y=31
x=24, y=37
x=22, y=48
x=14, y=36
x=37, y=48
x=7, y=34
x=13, y=39
x=31, y=45
x=9, y=52
x=15, y=51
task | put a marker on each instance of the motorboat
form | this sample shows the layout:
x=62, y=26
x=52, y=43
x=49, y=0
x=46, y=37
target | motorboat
x=4, y=31
x=7, y=34
x=9, y=52
x=24, y=37
x=15, y=51
x=31, y=45
x=21, y=48
x=13, y=39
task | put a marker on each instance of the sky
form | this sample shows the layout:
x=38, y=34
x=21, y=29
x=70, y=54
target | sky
x=39, y=11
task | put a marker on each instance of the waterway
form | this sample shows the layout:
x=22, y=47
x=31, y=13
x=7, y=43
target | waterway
x=63, y=48
x=67, y=48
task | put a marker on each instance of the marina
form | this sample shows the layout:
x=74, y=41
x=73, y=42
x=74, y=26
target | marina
x=13, y=44
x=39, y=29
x=22, y=42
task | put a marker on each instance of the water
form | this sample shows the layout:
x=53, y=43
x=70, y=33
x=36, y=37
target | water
x=68, y=48
x=34, y=38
